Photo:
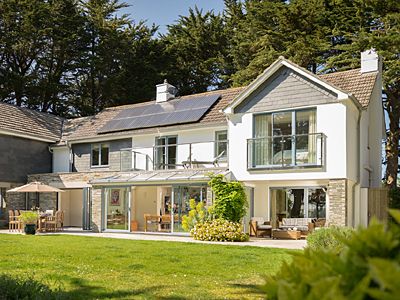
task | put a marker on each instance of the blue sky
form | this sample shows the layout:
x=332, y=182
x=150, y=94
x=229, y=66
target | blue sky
x=164, y=12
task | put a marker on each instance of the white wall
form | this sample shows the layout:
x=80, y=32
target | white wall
x=202, y=149
x=71, y=202
x=331, y=120
x=60, y=160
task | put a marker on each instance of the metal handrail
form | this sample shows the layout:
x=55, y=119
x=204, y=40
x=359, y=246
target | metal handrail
x=287, y=135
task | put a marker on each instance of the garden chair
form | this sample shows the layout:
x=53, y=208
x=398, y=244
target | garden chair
x=150, y=220
x=13, y=221
x=258, y=227
x=50, y=223
x=59, y=220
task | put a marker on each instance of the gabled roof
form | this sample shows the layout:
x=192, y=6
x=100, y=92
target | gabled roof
x=87, y=127
x=29, y=123
x=347, y=84
x=360, y=85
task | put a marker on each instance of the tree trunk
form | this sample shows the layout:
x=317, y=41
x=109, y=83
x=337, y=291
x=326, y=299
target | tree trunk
x=392, y=142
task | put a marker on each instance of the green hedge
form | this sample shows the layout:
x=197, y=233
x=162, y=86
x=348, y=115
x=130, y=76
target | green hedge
x=367, y=267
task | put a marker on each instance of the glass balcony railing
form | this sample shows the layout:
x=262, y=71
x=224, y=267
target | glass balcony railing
x=175, y=156
x=286, y=151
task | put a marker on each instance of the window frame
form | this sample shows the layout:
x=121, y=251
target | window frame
x=100, y=146
x=217, y=141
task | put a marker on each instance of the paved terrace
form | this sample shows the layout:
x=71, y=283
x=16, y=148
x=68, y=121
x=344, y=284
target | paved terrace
x=254, y=242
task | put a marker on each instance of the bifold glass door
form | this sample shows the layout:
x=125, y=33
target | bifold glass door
x=181, y=202
x=117, y=206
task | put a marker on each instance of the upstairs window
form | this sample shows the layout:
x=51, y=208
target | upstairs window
x=221, y=143
x=100, y=154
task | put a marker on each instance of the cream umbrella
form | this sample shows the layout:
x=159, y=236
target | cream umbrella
x=35, y=187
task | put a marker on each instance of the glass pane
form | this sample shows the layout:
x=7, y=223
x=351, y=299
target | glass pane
x=316, y=203
x=221, y=143
x=95, y=155
x=104, y=154
x=295, y=203
x=117, y=208
x=305, y=138
x=282, y=143
x=262, y=155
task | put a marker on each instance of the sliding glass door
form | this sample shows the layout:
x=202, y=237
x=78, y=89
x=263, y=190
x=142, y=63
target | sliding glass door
x=116, y=208
x=294, y=202
x=285, y=139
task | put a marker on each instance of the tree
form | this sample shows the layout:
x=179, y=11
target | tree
x=194, y=49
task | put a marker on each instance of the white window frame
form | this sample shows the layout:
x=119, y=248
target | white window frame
x=217, y=140
x=99, y=145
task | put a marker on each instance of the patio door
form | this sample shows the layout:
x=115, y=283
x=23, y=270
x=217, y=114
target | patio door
x=181, y=202
x=165, y=152
x=117, y=209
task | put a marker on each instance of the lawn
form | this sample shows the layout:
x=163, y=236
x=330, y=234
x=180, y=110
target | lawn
x=100, y=268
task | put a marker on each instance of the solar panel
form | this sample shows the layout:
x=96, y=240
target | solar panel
x=176, y=111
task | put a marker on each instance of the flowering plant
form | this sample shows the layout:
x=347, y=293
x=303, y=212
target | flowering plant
x=197, y=214
x=219, y=230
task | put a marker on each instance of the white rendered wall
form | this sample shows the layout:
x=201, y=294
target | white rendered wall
x=202, y=149
x=331, y=120
x=60, y=160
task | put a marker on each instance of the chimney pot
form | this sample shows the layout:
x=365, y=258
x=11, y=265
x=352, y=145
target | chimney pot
x=370, y=61
x=165, y=91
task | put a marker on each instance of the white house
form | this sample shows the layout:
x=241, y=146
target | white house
x=303, y=145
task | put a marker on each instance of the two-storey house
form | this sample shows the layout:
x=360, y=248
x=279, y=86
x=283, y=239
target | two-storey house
x=303, y=145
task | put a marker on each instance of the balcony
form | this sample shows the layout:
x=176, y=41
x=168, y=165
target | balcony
x=175, y=156
x=286, y=152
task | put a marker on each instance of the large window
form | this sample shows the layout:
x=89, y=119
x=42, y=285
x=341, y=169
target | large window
x=100, y=153
x=116, y=208
x=298, y=203
x=285, y=139
x=165, y=152
x=221, y=144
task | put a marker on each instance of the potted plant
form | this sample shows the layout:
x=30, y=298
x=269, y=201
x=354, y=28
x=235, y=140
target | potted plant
x=29, y=218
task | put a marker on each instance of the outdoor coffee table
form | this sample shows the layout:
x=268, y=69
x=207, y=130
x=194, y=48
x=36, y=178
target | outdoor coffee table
x=286, y=234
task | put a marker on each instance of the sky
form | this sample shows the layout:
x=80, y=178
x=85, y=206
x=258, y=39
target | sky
x=165, y=12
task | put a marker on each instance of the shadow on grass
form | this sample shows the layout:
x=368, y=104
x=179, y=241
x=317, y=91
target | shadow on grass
x=28, y=288
x=248, y=289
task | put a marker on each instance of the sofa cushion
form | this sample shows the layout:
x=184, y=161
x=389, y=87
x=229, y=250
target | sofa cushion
x=264, y=227
x=296, y=221
x=287, y=227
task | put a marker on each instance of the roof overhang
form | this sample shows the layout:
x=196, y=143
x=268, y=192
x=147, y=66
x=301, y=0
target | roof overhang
x=271, y=70
x=15, y=133
x=159, y=177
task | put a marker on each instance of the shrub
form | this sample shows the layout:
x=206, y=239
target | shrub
x=197, y=214
x=219, y=230
x=29, y=217
x=329, y=238
x=394, y=198
x=24, y=288
x=368, y=267
x=230, y=199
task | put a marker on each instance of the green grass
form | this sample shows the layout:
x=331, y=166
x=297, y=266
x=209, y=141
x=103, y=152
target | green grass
x=100, y=268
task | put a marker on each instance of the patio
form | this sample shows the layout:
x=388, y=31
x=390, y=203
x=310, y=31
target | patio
x=254, y=242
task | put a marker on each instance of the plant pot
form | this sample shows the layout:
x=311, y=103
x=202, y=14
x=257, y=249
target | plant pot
x=30, y=229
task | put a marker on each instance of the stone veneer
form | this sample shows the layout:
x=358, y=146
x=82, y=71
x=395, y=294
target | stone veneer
x=337, y=193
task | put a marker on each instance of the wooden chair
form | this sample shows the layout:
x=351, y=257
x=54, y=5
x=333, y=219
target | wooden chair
x=60, y=220
x=50, y=223
x=150, y=220
x=13, y=221
x=258, y=227
x=165, y=224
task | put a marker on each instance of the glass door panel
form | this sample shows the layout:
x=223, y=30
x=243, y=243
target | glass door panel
x=165, y=152
x=316, y=203
x=181, y=206
x=282, y=142
x=305, y=140
x=117, y=208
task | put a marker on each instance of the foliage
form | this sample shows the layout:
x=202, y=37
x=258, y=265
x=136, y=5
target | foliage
x=368, y=267
x=197, y=214
x=230, y=201
x=29, y=217
x=329, y=238
x=394, y=196
x=95, y=271
x=24, y=288
x=219, y=230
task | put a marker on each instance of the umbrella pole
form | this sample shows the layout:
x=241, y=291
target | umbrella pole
x=37, y=199
x=26, y=201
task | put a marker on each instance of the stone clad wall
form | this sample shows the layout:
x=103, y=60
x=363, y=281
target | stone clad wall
x=337, y=193
x=96, y=209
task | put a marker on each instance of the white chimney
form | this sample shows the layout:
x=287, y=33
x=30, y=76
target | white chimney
x=370, y=61
x=165, y=91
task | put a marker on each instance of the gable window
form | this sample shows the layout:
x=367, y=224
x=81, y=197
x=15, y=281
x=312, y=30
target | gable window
x=221, y=144
x=100, y=154
x=285, y=139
